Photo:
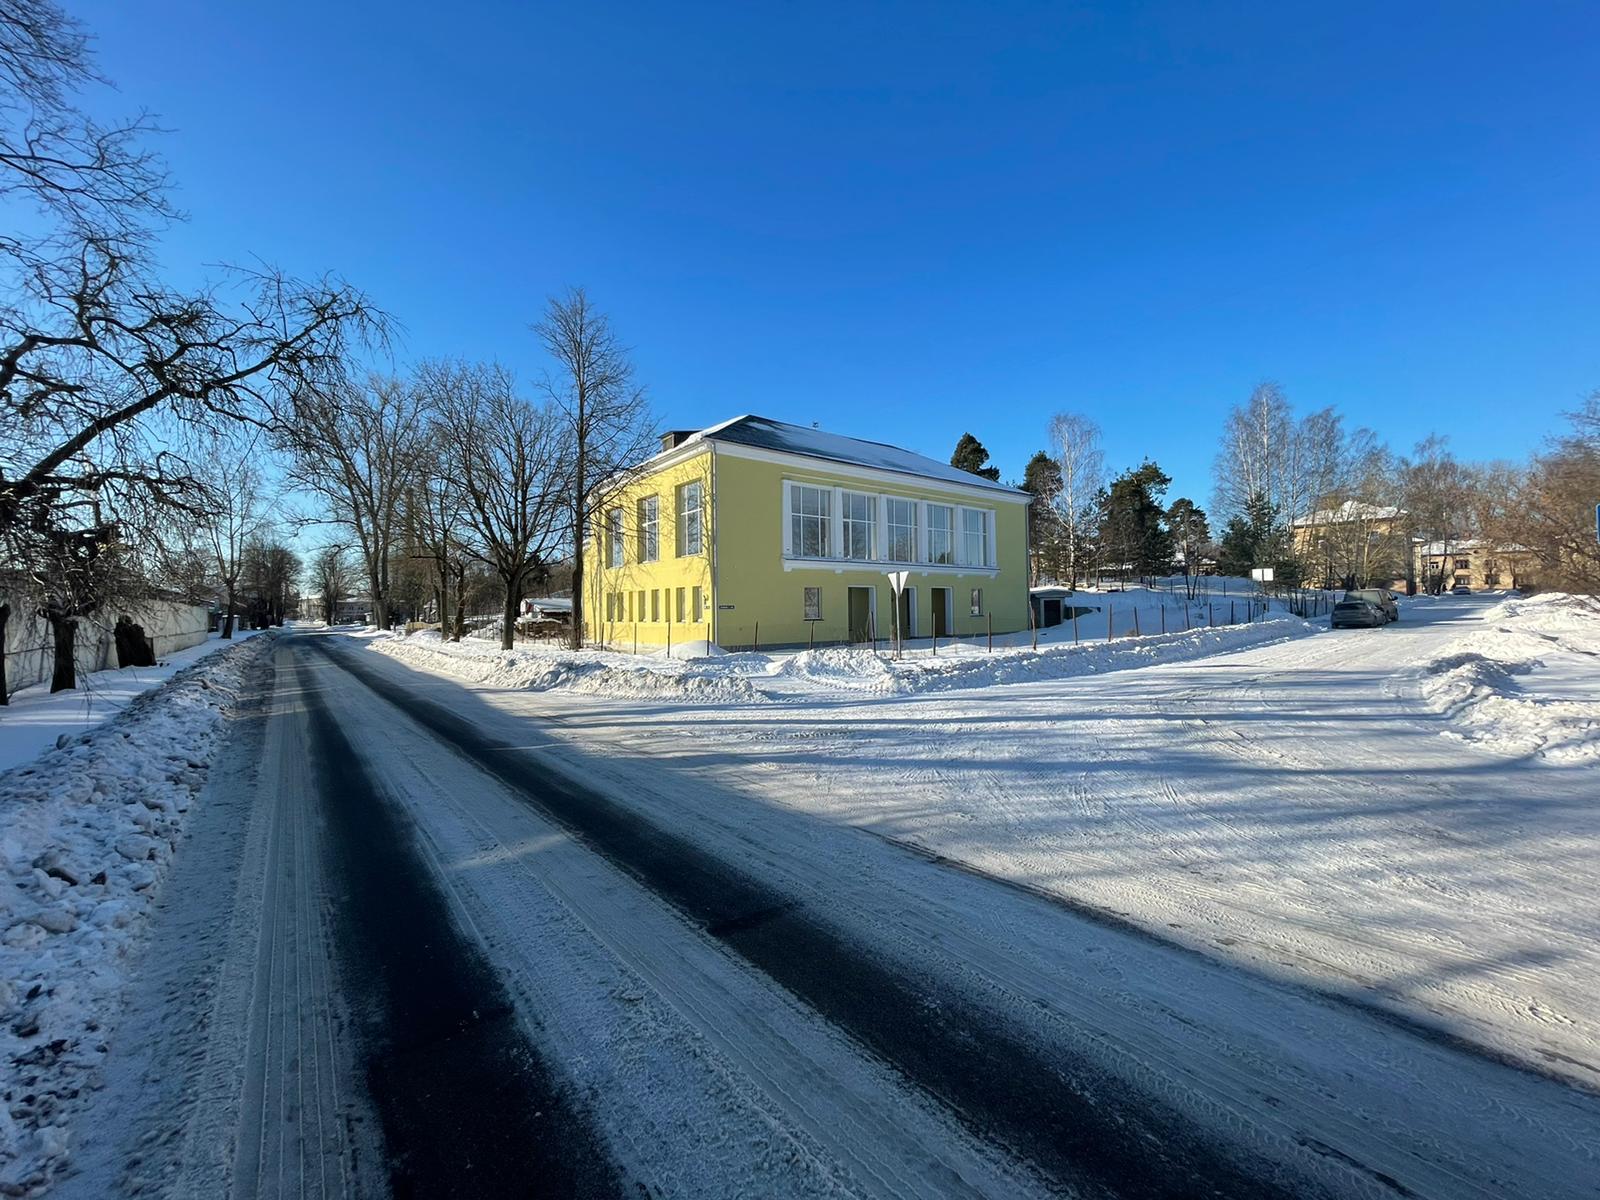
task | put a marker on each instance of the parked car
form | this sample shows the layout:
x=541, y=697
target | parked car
x=1355, y=613
x=1380, y=598
x=1461, y=589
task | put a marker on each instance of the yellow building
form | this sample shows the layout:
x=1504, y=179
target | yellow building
x=756, y=532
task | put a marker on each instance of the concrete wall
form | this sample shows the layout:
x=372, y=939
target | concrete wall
x=30, y=653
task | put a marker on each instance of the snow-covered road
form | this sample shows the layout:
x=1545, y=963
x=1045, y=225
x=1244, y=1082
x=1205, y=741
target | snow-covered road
x=1255, y=924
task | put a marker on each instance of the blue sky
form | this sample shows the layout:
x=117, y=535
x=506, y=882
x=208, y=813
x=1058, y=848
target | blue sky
x=907, y=221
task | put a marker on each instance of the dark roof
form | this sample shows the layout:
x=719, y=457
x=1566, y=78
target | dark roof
x=763, y=433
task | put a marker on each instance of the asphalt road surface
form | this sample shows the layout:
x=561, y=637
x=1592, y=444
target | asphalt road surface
x=412, y=949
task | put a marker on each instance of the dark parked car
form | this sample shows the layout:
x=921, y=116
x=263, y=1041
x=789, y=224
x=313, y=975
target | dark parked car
x=1380, y=598
x=1355, y=613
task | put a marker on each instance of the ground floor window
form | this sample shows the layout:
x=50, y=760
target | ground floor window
x=682, y=606
x=813, y=604
x=977, y=602
x=655, y=604
x=698, y=600
x=640, y=616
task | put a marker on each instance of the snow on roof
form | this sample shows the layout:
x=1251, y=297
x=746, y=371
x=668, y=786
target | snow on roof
x=763, y=433
x=1350, y=510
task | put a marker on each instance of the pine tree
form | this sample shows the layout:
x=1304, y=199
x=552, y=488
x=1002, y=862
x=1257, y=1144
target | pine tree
x=1042, y=480
x=1133, y=526
x=970, y=456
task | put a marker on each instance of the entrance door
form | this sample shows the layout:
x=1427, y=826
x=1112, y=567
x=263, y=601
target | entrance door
x=941, y=612
x=861, y=607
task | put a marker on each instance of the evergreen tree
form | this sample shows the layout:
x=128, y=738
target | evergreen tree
x=970, y=456
x=1255, y=538
x=1133, y=531
x=1190, y=532
x=1042, y=480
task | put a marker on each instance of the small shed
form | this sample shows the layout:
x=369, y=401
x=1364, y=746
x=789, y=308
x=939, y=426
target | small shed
x=1050, y=605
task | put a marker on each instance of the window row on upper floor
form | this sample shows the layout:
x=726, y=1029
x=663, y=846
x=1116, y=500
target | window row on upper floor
x=840, y=523
x=688, y=527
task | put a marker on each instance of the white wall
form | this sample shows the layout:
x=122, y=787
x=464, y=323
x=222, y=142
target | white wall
x=29, y=652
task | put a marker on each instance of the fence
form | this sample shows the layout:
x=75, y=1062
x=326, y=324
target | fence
x=30, y=650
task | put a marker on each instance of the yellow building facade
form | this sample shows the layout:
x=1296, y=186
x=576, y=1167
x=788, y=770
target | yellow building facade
x=760, y=533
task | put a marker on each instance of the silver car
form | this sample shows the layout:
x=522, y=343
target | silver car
x=1355, y=613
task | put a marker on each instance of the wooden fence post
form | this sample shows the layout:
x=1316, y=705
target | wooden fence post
x=1233, y=617
x=1074, y=624
x=989, y=621
x=669, y=639
x=811, y=628
x=756, y=645
x=1163, y=618
x=636, y=637
x=1211, y=613
x=1108, y=620
x=1033, y=628
x=1136, y=620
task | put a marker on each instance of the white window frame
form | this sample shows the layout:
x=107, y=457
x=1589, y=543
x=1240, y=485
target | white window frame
x=977, y=602
x=847, y=525
x=794, y=527
x=890, y=525
x=649, y=509
x=949, y=531
x=964, y=555
x=691, y=519
x=616, y=550
x=811, y=603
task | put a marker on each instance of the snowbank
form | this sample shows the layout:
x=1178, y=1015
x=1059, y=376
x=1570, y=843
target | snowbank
x=724, y=678
x=594, y=672
x=35, y=719
x=86, y=832
x=858, y=669
x=1525, y=682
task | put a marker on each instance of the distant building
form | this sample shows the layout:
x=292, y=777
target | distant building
x=760, y=531
x=1352, y=544
x=1476, y=562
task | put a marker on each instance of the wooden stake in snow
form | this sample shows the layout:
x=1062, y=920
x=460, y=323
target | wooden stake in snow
x=988, y=619
x=1135, y=620
x=1108, y=620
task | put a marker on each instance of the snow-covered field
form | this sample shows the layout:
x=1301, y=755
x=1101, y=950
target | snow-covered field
x=1314, y=808
x=86, y=833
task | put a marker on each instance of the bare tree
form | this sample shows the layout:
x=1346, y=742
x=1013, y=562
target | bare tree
x=1075, y=440
x=605, y=417
x=360, y=449
x=236, y=510
x=1548, y=510
x=1437, y=499
x=331, y=577
x=507, y=458
x=434, y=528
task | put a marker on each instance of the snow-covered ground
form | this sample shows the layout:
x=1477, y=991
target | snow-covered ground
x=1299, y=805
x=36, y=719
x=87, y=829
x=1527, y=681
x=692, y=674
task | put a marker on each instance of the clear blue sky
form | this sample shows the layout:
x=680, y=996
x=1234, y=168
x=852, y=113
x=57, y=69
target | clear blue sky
x=906, y=221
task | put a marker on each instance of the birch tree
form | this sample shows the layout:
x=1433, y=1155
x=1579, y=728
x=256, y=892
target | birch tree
x=1075, y=441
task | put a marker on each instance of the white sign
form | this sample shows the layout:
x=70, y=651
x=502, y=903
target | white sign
x=897, y=580
x=1261, y=574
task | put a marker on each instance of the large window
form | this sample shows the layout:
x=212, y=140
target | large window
x=614, y=537
x=902, y=530
x=858, y=524
x=941, y=534
x=974, y=537
x=649, y=527
x=809, y=521
x=689, y=527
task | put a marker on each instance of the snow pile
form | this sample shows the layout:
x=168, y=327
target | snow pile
x=543, y=668
x=86, y=832
x=856, y=669
x=1524, y=682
